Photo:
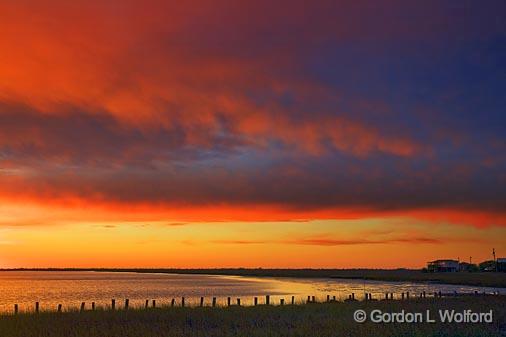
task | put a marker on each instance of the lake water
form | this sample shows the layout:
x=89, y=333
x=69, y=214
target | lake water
x=72, y=288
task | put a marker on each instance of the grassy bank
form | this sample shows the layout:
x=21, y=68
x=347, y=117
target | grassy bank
x=400, y=275
x=327, y=319
x=464, y=278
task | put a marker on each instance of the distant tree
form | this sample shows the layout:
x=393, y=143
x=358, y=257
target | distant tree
x=474, y=268
x=468, y=267
x=487, y=265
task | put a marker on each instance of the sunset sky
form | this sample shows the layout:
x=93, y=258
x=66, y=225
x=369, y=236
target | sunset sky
x=251, y=133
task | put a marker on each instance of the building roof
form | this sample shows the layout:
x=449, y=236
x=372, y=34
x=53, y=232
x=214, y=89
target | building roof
x=444, y=261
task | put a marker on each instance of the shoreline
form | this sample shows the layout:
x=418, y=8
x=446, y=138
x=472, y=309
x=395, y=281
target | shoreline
x=478, y=279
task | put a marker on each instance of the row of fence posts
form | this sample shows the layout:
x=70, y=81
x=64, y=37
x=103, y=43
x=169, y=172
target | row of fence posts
x=153, y=303
x=390, y=296
x=310, y=299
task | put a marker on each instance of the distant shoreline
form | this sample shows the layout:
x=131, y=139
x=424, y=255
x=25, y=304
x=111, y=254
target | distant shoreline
x=480, y=279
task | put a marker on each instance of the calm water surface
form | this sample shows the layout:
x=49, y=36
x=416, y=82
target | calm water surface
x=72, y=288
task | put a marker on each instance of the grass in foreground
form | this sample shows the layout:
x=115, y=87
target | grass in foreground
x=326, y=319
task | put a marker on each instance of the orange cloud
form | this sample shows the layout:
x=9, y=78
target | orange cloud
x=139, y=64
x=158, y=110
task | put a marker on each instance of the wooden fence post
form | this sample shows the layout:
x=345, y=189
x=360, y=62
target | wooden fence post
x=293, y=300
x=255, y=300
x=173, y=302
x=352, y=296
x=267, y=299
x=182, y=302
x=37, y=307
x=239, y=301
x=82, y=306
x=214, y=301
x=113, y=304
x=15, y=309
x=126, y=303
x=92, y=305
x=59, y=307
x=202, y=301
x=313, y=299
x=147, y=304
x=153, y=303
x=228, y=301
x=328, y=298
x=402, y=296
x=282, y=301
x=309, y=299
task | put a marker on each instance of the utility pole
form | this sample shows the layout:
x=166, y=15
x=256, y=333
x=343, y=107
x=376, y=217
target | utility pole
x=495, y=263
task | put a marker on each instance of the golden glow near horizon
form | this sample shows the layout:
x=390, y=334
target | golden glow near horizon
x=329, y=243
x=78, y=236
